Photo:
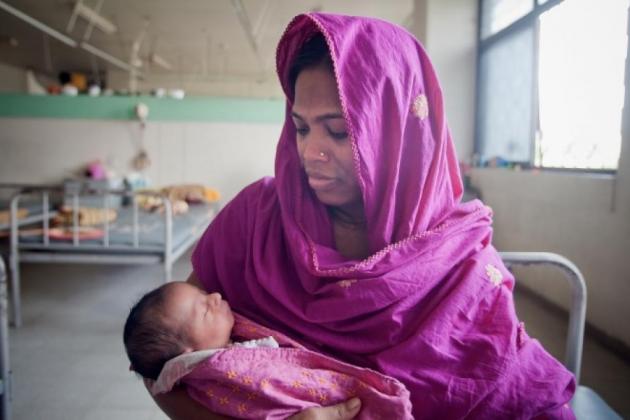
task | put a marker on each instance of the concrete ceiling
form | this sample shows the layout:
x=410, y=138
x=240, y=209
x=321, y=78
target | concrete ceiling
x=200, y=38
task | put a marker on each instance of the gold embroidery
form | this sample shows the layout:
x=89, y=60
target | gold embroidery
x=420, y=107
x=264, y=383
x=223, y=400
x=210, y=393
x=346, y=283
x=494, y=275
x=322, y=397
x=247, y=380
x=242, y=408
x=296, y=384
x=231, y=374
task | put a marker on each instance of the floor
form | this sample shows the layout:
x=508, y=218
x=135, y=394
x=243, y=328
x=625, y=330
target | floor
x=68, y=360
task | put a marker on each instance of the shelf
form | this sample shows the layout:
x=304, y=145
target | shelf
x=208, y=109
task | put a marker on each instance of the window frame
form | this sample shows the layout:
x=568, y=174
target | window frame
x=529, y=21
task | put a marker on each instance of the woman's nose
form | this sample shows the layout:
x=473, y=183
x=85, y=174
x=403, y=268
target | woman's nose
x=314, y=149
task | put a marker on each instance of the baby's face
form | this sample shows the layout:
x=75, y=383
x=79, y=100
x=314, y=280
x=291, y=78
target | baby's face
x=206, y=317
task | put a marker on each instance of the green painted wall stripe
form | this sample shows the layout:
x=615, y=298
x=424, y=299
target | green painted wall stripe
x=210, y=109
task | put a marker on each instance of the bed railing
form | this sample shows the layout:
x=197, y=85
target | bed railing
x=5, y=369
x=106, y=195
x=63, y=251
x=577, y=312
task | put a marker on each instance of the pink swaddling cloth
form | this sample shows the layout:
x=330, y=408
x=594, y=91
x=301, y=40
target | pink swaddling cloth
x=273, y=383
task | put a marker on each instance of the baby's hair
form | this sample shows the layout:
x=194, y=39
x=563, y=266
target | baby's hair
x=150, y=341
x=313, y=53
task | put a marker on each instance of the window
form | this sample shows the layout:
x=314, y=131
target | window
x=551, y=82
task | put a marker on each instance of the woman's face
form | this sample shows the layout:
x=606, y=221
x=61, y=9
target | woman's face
x=323, y=142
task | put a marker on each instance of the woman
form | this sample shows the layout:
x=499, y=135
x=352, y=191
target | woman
x=360, y=247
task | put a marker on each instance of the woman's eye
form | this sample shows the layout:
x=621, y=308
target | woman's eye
x=338, y=135
x=302, y=131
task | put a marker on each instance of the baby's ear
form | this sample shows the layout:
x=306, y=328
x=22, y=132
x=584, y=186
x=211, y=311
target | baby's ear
x=188, y=350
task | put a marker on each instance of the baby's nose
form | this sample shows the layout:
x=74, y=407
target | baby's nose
x=215, y=297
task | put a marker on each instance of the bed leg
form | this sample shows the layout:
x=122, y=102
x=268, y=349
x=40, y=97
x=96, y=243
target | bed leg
x=16, y=310
x=168, y=272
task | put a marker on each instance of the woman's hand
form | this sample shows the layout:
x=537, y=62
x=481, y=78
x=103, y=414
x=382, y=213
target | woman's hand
x=341, y=411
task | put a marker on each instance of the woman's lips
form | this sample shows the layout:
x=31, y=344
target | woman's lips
x=320, y=183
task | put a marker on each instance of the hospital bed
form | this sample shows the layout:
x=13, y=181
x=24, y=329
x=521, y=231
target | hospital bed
x=135, y=236
x=586, y=404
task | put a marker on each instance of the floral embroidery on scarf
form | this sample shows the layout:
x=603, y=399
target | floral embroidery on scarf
x=242, y=408
x=420, y=106
x=494, y=275
x=346, y=283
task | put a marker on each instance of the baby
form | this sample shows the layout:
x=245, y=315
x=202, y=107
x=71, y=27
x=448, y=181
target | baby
x=174, y=319
x=178, y=334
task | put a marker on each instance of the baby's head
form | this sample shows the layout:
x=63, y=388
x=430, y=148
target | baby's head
x=173, y=319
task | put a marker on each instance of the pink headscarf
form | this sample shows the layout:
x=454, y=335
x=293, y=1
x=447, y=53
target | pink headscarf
x=432, y=306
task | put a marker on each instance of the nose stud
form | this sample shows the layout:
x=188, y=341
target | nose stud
x=322, y=154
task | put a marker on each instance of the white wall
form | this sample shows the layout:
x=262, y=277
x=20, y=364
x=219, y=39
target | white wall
x=12, y=79
x=226, y=156
x=584, y=217
x=450, y=40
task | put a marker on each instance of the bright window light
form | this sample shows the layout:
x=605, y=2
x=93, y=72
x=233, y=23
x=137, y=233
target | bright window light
x=583, y=46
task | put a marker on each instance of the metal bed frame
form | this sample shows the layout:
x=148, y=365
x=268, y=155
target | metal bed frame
x=5, y=371
x=49, y=251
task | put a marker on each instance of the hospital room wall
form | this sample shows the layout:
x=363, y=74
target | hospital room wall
x=226, y=156
x=583, y=216
x=12, y=79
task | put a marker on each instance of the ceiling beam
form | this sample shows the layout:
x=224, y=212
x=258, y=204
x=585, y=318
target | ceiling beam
x=39, y=25
x=243, y=19
x=64, y=38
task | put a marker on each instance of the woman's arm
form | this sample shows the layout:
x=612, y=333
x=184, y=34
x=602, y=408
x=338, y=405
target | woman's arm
x=178, y=405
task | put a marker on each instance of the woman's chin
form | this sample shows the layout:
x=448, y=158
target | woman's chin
x=328, y=198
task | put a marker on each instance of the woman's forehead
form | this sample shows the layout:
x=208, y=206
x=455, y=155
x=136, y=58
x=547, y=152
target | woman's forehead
x=316, y=86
